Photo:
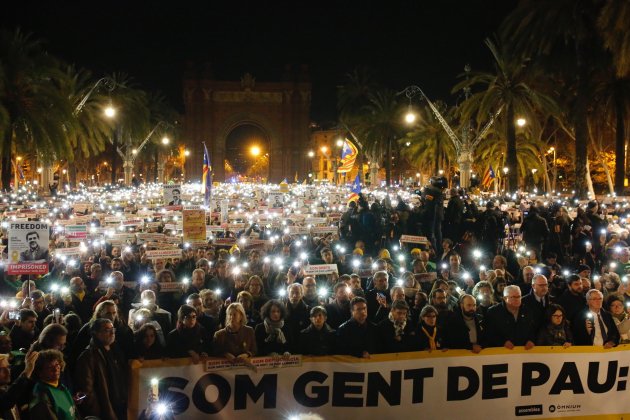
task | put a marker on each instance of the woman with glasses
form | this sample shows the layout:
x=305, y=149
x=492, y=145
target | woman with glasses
x=51, y=399
x=429, y=335
x=189, y=338
x=556, y=331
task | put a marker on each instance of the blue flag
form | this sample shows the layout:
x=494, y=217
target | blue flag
x=206, y=177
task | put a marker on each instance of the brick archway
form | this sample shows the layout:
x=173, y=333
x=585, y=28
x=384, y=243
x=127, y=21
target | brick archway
x=279, y=109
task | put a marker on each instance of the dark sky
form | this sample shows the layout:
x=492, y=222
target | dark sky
x=405, y=42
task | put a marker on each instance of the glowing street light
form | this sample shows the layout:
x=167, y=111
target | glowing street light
x=186, y=152
x=255, y=151
x=311, y=154
x=324, y=149
x=110, y=112
x=521, y=122
x=410, y=117
x=339, y=143
x=165, y=140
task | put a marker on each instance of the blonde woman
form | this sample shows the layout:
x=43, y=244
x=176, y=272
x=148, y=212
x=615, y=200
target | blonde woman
x=236, y=341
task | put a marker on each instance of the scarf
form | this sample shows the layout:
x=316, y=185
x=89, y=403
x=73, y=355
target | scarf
x=274, y=331
x=432, y=343
x=399, y=328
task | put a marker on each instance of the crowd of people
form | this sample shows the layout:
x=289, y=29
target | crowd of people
x=471, y=280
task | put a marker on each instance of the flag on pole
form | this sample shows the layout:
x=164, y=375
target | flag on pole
x=355, y=190
x=349, y=153
x=488, y=177
x=206, y=177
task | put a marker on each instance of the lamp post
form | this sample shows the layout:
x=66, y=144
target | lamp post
x=160, y=164
x=130, y=153
x=18, y=159
x=465, y=146
x=506, y=184
x=554, y=172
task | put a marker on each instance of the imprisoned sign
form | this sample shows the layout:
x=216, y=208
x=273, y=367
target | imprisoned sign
x=28, y=248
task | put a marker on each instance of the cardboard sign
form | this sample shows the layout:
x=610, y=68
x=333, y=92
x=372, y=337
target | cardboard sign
x=28, y=248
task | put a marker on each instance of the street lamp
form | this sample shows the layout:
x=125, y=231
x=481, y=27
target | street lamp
x=255, y=151
x=521, y=122
x=110, y=112
x=555, y=169
x=165, y=140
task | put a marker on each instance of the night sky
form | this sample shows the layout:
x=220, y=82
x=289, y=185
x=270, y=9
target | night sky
x=404, y=42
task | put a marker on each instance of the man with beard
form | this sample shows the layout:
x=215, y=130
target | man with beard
x=82, y=300
x=463, y=329
x=24, y=332
x=34, y=251
x=357, y=336
x=438, y=299
x=379, y=295
x=310, y=292
x=101, y=374
x=572, y=300
x=339, y=310
x=298, y=312
x=395, y=334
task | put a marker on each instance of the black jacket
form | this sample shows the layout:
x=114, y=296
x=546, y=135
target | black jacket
x=572, y=304
x=297, y=317
x=580, y=335
x=501, y=326
x=336, y=314
x=536, y=308
x=386, y=338
x=317, y=342
x=456, y=332
x=354, y=339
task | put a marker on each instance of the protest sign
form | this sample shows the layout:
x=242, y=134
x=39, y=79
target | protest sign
x=28, y=248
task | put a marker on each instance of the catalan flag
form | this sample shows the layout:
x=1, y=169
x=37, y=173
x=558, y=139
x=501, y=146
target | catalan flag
x=355, y=190
x=206, y=177
x=488, y=177
x=349, y=153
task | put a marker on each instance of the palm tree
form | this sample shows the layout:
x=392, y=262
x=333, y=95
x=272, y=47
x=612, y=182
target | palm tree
x=382, y=126
x=132, y=118
x=508, y=87
x=92, y=129
x=35, y=112
x=565, y=32
x=428, y=142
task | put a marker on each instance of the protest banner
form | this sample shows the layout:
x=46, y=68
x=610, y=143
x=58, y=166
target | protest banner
x=320, y=269
x=414, y=239
x=68, y=252
x=545, y=382
x=194, y=225
x=28, y=248
x=164, y=253
x=76, y=232
x=322, y=230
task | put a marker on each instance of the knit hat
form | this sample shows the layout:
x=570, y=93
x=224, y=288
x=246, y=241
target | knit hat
x=357, y=251
x=415, y=251
x=234, y=248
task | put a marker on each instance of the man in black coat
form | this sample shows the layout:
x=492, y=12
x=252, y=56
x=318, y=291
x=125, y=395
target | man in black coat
x=537, y=300
x=535, y=231
x=318, y=339
x=379, y=294
x=508, y=323
x=357, y=336
x=297, y=311
x=453, y=216
x=572, y=300
x=395, y=333
x=464, y=328
x=594, y=326
x=339, y=310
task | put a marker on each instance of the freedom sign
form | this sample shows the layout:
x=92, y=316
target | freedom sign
x=545, y=382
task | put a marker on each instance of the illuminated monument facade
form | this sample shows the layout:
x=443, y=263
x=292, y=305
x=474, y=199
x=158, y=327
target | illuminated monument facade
x=279, y=110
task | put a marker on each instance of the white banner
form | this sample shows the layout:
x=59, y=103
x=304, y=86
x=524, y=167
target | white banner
x=317, y=269
x=544, y=382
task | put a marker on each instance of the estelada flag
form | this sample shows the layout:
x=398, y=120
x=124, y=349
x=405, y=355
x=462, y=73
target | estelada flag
x=488, y=177
x=349, y=153
x=355, y=190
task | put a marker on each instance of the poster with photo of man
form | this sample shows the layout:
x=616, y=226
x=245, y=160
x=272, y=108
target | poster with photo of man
x=276, y=200
x=172, y=195
x=28, y=248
